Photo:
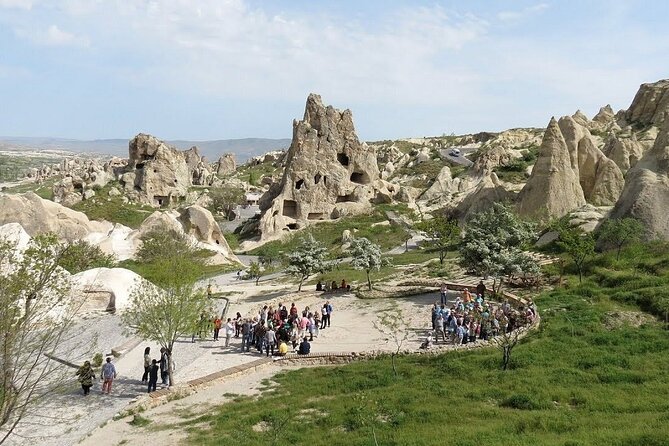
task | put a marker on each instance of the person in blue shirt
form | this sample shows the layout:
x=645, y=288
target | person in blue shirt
x=305, y=347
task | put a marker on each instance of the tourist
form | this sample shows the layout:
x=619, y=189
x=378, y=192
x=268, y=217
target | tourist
x=218, y=323
x=209, y=291
x=312, y=326
x=293, y=310
x=427, y=343
x=324, y=316
x=86, y=376
x=435, y=314
x=229, y=331
x=443, y=291
x=270, y=340
x=329, y=308
x=319, y=286
x=153, y=376
x=334, y=286
x=317, y=322
x=343, y=285
x=247, y=335
x=163, y=366
x=147, y=363
x=283, y=348
x=481, y=289
x=439, y=329
x=305, y=347
x=108, y=374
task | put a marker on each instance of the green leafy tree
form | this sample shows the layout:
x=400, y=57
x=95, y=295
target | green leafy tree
x=619, y=233
x=171, y=306
x=579, y=246
x=442, y=234
x=493, y=238
x=225, y=198
x=80, y=256
x=256, y=271
x=36, y=317
x=309, y=258
x=366, y=256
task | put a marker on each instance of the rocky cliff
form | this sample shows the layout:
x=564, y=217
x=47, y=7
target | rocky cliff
x=328, y=173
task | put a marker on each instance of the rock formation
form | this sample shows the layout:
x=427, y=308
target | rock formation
x=226, y=164
x=646, y=192
x=106, y=288
x=553, y=189
x=625, y=152
x=601, y=179
x=604, y=117
x=38, y=216
x=329, y=173
x=650, y=106
x=158, y=173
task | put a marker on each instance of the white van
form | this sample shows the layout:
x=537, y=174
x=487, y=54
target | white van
x=454, y=152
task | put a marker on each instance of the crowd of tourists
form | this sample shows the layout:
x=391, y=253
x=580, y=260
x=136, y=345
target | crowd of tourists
x=471, y=317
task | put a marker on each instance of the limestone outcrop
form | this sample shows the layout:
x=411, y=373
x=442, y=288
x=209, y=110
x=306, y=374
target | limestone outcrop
x=646, y=192
x=37, y=216
x=158, y=173
x=553, y=189
x=329, y=173
x=650, y=106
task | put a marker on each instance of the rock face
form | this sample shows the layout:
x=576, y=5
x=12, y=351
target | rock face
x=553, y=189
x=226, y=164
x=646, y=192
x=601, y=179
x=625, y=152
x=329, y=173
x=113, y=284
x=650, y=105
x=604, y=117
x=38, y=216
x=159, y=174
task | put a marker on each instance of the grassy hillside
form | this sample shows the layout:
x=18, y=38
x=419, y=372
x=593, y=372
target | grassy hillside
x=113, y=209
x=596, y=373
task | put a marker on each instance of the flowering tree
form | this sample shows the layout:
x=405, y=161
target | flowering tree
x=366, y=256
x=307, y=259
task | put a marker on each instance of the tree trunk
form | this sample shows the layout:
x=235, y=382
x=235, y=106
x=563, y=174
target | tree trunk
x=299, y=288
x=257, y=280
x=618, y=252
x=392, y=360
x=506, y=358
x=369, y=282
x=442, y=256
x=406, y=245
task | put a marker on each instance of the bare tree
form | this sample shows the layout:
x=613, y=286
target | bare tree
x=36, y=314
x=506, y=342
x=395, y=325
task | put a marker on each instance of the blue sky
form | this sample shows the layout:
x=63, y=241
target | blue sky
x=218, y=69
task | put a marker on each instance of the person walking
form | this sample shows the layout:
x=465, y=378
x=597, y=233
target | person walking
x=218, y=323
x=329, y=307
x=247, y=335
x=147, y=364
x=108, y=374
x=229, y=331
x=443, y=292
x=324, y=316
x=153, y=376
x=86, y=376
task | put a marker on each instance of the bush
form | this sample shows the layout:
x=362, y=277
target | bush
x=81, y=256
x=523, y=401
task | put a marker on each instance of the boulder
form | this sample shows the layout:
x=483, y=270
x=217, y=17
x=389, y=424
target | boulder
x=442, y=187
x=226, y=164
x=646, y=192
x=553, y=189
x=328, y=173
x=487, y=192
x=38, y=216
x=114, y=285
x=16, y=235
x=650, y=106
x=65, y=193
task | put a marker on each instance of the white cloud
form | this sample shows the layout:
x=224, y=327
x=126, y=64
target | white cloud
x=516, y=16
x=53, y=36
x=16, y=4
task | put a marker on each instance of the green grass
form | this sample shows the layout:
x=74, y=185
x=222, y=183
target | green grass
x=572, y=382
x=13, y=167
x=329, y=233
x=516, y=170
x=104, y=207
x=43, y=190
x=429, y=169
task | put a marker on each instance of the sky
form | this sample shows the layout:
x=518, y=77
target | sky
x=222, y=69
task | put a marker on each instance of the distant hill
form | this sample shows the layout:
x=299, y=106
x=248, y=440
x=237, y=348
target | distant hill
x=242, y=148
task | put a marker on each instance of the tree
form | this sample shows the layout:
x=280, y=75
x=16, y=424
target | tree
x=307, y=259
x=171, y=306
x=506, y=342
x=395, y=325
x=620, y=232
x=225, y=198
x=494, y=236
x=442, y=234
x=256, y=271
x=80, y=256
x=579, y=246
x=366, y=256
x=36, y=315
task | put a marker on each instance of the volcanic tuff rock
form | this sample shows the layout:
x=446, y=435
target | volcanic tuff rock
x=38, y=216
x=600, y=178
x=646, y=192
x=553, y=189
x=226, y=164
x=329, y=173
x=625, y=152
x=159, y=174
x=650, y=105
